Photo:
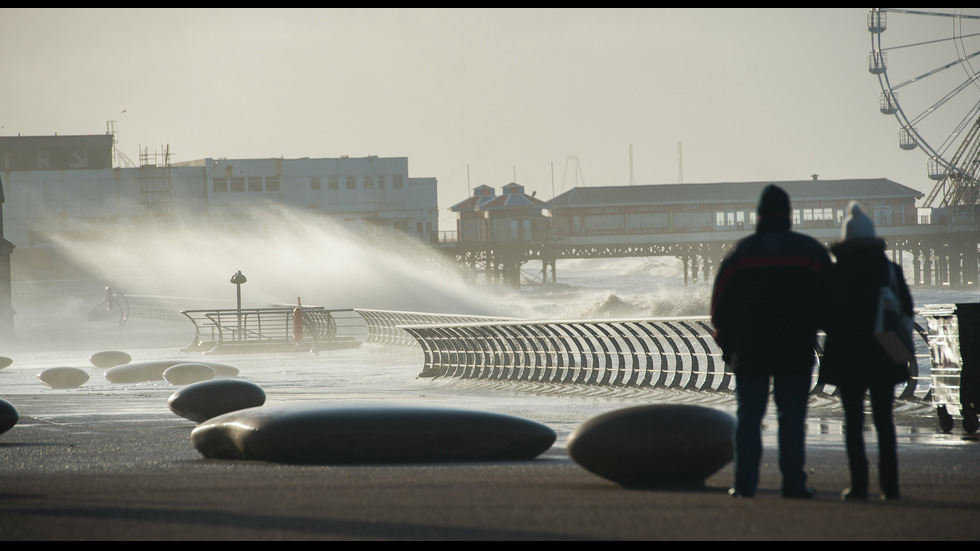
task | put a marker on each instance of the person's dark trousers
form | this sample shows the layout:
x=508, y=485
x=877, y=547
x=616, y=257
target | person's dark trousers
x=790, y=394
x=882, y=398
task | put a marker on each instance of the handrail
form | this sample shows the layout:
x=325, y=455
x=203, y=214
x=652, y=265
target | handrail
x=250, y=329
x=669, y=352
x=384, y=326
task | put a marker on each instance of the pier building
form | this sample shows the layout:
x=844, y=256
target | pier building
x=699, y=223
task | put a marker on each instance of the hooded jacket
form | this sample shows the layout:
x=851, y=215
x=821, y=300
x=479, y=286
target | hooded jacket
x=765, y=305
x=852, y=356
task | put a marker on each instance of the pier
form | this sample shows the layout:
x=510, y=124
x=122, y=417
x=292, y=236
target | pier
x=932, y=255
x=516, y=239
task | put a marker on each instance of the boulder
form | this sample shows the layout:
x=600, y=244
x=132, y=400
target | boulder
x=321, y=433
x=8, y=416
x=657, y=446
x=222, y=370
x=139, y=372
x=5, y=362
x=204, y=400
x=109, y=358
x=189, y=373
x=63, y=377
x=152, y=370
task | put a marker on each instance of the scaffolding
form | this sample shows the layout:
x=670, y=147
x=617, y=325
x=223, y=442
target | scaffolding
x=156, y=186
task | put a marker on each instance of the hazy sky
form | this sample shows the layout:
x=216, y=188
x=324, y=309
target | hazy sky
x=557, y=97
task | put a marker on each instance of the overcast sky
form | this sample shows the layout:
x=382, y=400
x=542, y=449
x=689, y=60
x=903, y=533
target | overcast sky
x=554, y=98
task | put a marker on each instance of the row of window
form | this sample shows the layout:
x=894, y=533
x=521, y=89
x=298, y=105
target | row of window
x=271, y=183
x=740, y=219
x=367, y=182
x=251, y=183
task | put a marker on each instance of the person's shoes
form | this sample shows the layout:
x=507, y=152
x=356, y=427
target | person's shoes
x=800, y=493
x=852, y=495
x=889, y=495
x=739, y=494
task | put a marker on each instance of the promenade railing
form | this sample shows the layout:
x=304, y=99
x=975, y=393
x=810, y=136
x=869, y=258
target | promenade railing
x=677, y=353
x=269, y=329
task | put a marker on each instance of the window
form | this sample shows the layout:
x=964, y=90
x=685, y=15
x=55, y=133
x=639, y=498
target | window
x=396, y=181
x=369, y=182
x=254, y=183
x=220, y=185
x=237, y=184
x=272, y=183
x=314, y=184
x=351, y=182
x=333, y=182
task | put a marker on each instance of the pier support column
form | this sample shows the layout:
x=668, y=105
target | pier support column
x=927, y=267
x=916, y=269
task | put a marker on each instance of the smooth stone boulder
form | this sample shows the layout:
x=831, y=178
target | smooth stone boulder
x=139, y=372
x=205, y=400
x=152, y=370
x=5, y=362
x=63, y=377
x=371, y=434
x=8, y=416
x=658, y=446
x=189, y=373
x=109, y=358
x=222, y=370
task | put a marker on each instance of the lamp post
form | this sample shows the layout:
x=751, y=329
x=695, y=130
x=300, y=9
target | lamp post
x=238, y=279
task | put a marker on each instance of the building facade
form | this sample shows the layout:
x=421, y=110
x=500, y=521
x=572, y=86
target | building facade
x=512, y=216
x=725, y=207
x=64, y=188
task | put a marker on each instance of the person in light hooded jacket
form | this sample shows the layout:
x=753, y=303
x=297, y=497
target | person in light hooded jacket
x=853, y=360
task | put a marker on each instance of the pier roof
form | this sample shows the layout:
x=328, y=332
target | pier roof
x=734, y=192
x=513, y=197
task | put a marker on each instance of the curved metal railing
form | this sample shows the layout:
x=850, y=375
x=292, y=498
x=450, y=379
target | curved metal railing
x=384, y=326
x=675, y=353
x=236, y=330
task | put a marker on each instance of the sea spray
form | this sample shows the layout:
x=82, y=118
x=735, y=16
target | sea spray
x=327, y=262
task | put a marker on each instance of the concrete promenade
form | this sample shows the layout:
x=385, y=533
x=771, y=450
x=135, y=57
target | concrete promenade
x=109, y=470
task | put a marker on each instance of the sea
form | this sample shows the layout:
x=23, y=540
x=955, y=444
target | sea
x=326, y=266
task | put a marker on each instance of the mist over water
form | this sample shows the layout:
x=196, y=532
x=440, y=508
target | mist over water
x=299, y=255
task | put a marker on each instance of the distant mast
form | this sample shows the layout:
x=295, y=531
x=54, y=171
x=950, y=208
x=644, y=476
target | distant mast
x=680, y=164
x=632, y=181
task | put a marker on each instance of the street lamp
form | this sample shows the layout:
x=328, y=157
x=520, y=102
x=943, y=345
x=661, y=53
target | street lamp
x=238, y=279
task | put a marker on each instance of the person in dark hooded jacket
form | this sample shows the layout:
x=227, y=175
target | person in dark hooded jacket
x=853, y=360
x=765, y=309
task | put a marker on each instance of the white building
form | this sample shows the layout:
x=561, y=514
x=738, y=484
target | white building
x=65, y=188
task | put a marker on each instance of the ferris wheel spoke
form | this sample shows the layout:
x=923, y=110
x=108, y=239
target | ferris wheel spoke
x=952, y=15
x=966, y=121
x=942, y=101
x=937, y=70
x=929, y=42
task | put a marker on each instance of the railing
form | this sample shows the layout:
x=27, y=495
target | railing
x=269, y=329
x=953, y=339
x=384, y=326
x=676, y=353
x=121, y=307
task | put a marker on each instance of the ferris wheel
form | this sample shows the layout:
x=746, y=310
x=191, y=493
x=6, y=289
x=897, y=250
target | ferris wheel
x=927, y=61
